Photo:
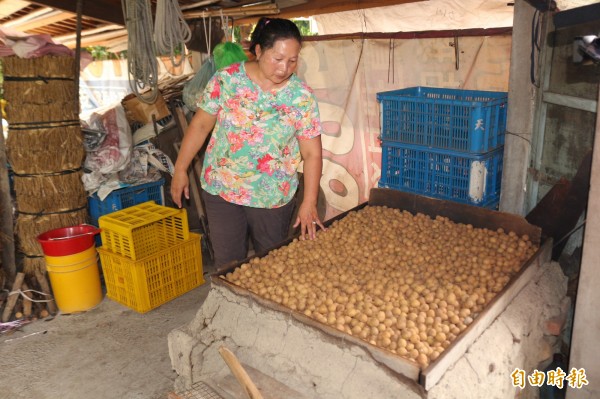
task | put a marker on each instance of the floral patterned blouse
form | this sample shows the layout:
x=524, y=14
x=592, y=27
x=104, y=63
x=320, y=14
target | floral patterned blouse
x=253, y=153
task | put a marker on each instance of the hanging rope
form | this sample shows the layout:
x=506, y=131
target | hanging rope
x=207, y=34
x=171, y=32
x=141, y=55
x=225, y=26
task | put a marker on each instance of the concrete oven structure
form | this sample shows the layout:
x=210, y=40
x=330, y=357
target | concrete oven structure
x=318, y=361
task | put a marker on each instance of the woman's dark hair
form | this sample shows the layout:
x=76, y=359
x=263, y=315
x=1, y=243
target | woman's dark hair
x=270, y=30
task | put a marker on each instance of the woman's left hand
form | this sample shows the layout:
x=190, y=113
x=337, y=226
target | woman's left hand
x=308, y=220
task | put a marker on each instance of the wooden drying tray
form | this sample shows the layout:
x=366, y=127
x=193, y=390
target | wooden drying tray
x=460, y=213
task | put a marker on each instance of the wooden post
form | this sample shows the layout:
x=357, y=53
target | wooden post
x=7, y=238
x=12, y=297
x=79, y=8
x=46, y=290
x=27, y=303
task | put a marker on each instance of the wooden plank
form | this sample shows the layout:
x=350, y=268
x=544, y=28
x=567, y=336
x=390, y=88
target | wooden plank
x=563, y=100
x=434, y=372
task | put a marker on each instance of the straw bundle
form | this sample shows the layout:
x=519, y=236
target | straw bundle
x=50, y=193
x=45, y=150
x=47, y=66
x=28, y=227
x=37, y=112
x=31, y=265
x=20, y=92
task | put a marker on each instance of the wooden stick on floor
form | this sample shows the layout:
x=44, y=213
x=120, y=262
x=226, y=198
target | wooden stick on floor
x=240, y=374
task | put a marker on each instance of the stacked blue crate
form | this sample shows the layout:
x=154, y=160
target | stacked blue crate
x=444, y=143
x=124, y=198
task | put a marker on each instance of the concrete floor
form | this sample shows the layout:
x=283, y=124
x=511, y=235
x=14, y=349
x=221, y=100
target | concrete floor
x=107, y=352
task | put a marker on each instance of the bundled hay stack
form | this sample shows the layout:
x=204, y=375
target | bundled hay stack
x=40, y=90
x=27, y=145
x=45, y=150
x=42, y=193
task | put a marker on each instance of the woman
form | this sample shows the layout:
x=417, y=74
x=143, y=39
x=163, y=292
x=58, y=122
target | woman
x=264, y=120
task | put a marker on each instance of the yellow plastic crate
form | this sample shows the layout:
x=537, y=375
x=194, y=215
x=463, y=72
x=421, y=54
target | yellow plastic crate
x=143, y=230
x=147, y=283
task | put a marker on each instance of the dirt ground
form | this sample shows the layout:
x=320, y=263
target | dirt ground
x=109, y=352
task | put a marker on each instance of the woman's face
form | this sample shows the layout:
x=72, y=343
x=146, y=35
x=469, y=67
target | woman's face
x=278, y=63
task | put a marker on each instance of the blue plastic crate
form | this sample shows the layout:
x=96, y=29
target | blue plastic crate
x=449, y=175
x=124, y=198
x=458, y=120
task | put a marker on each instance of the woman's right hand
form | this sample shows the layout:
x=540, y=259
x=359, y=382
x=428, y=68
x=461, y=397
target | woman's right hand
x=180, y=183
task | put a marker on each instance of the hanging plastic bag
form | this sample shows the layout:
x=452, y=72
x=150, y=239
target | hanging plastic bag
x=193, y=89
x=228, y=53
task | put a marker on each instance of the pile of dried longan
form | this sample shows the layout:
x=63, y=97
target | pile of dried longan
x=405, y=283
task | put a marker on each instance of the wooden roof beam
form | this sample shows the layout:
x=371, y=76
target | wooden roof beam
x=317, y=7
x=94, y=40
x=234, y=11
x=101, y=10
x=29, y=17
x=87, y=32
x=11, y=6
x=43, y=20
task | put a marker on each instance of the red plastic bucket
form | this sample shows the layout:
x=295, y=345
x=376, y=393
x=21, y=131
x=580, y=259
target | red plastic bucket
x=68, y=240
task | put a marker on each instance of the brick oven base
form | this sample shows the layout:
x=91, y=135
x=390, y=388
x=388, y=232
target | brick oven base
x=320, y=366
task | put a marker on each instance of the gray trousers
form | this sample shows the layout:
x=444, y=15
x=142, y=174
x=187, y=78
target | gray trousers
x=230, y=224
